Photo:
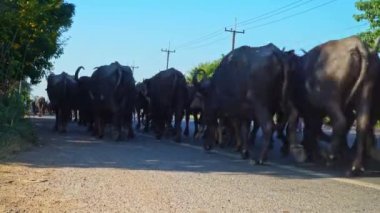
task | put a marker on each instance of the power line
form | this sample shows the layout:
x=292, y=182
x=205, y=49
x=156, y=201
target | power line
x=291, y=16
x=204, y=42
x=261, y=17
x=221, y=30
x=201, y=39
x=209, y=43
x=356, y=26
x=273, y=13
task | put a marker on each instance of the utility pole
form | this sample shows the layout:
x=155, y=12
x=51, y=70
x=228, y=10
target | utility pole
x=168, y=51
x=134, y=67
x=233, y=31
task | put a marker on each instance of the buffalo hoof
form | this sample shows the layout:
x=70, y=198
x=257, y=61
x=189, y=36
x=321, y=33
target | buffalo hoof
x=186, y=132
x=271, y=145
x=245, y=154
x=355, y=172
x=131, y=135
x=222, y=145
x=328, y=156
x=198, y=136
x=238, y=149
x=259, y=162
x=117, y=137
x=158, y=137
x=177, y=139
x=207, y=147
x=299, y=153
x=285, y=151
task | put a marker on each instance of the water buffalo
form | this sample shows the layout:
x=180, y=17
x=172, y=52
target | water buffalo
x=142, y=106
x=84, y=103
x=168, y=95
x=62, y=90
x=246, y=86
x=194, y=107
x=332, y=79
x=113, y=93
x=41, y=106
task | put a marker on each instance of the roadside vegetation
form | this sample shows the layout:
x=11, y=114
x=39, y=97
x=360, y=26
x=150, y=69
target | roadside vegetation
x=30, y=37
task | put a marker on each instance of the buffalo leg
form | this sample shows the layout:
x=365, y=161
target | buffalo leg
x=187, y=120
x=244, y=136
x=236, y=126
x=177, y=124
x=297, y=150
x=138, y=115
x=128, y=123
x=253, y=132
x=99, y=127
x=339, y=124
x=362, y=128
x=266, y=123
x=196, y=123
x=310, y=140
x=117, y=125
x=280, y=127
x=56, y=124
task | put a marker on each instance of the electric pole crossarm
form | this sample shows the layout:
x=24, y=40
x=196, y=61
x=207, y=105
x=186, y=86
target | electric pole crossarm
x=233, y=35
x=134, y=67
x=168, y=51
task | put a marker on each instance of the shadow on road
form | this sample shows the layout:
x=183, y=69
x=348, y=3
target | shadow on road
x=78, y=149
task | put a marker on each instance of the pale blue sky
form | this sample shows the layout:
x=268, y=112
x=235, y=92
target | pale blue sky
x=134, y=31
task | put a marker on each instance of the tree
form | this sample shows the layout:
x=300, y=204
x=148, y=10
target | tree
x=371, y=13
x=30, y=36
x=208, y=67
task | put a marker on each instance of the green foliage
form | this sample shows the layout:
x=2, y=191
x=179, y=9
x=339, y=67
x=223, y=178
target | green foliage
x=371, y=13
x=30, y=36
x=12, y=110
x=16, y=132
x=208, y=67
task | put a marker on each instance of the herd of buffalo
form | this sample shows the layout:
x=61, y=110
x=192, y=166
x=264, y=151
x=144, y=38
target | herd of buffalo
x=252, y=88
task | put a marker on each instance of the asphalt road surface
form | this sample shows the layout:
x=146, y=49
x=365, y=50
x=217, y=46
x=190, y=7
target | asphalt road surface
x=75, y=172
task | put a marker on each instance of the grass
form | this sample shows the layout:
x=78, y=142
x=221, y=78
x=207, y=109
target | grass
x=19, y=137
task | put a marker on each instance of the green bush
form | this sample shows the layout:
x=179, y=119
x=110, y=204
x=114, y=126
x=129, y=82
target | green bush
x=16, y=132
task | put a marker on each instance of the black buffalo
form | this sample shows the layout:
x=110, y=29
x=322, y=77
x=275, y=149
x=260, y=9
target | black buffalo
x=41, y=106
x=332, y=79
x=84, y=102
x=113, y=93
x=167, y=93
x=62, y=91
x=194, y=107
x=247, y=85
x=142, y=106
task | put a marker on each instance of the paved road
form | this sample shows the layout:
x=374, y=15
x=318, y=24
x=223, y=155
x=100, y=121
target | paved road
x=77, y=173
